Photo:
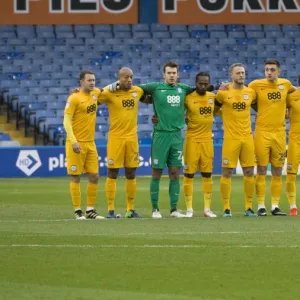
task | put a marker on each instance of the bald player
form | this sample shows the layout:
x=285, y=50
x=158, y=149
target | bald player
x=81, y=151
x=122, y=145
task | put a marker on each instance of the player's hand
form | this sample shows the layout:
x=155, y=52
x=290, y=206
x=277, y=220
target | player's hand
x=74, y=91
x=76, y=147
x=224, y=86
x=114, y=86
x=148, y=99
x=154, y=120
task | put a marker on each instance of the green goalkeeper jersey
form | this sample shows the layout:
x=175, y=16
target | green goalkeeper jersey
x=168, y=103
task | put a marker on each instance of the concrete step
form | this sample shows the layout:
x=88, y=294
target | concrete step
x=15, y=134
x=26, y=141
x=7, y=127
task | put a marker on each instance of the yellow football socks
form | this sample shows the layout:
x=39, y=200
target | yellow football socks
x=207, y=190
x=276, y=185
x=110, y=189
x=260, y=189
x=225, y=187
x=130, y=187
x=75, y=194
x=291, y=189
x=91, y=194
x=188, y=191
x=248, y=191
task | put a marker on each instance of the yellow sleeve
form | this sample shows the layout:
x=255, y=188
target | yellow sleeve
x=68, y=127
x=71, y=105
x=254, y=96
x=291, y=88
x=220, y=97
x=104, y=96
x=252, y=85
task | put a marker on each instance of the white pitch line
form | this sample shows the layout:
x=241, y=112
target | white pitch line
x=145, y=246
x=151, y=233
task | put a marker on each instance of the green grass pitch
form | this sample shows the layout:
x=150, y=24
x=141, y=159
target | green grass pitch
x=47, y=254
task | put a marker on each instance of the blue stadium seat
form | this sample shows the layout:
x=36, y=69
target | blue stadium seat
x=273, y=27
x=63, y=28
x=235, y=27
x=256, y=34
x=274, y=34
x=140, y=27
x=292, y=27
x=7, y=28
x=253, y=27
x=123, y=27
x=177, y=27
x=103, y=34
x=292, y=34
x=197, y=27
x=158, y=27
x=215, y=27
x=161, y=34
x=236, y=34
x=142, y=34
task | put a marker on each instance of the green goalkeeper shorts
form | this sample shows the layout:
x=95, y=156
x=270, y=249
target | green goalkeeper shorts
x=166, y=149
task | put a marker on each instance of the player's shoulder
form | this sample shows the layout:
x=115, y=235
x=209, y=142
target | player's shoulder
x=75, y=97
x=283, y=81
x=137, y=89
x=294, y=95
x=256, y=82
x=210, y=95
x=248, y=89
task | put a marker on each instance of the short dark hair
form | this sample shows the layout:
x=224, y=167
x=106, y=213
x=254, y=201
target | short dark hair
x=204, y=74
x=272, y=62
x=171, y=64
x=235, y=65
x=85, y=72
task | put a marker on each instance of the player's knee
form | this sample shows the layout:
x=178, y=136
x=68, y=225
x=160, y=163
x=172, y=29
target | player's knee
x=249, y=172
x=93, y=178
x=188, y=175
x=227, y=172
x=75, y=178
x=156, y=173
x=174, y=173
x=130, y=173
x=261, y=170
x=205, y=174
x=276, y=171
x=113, y=173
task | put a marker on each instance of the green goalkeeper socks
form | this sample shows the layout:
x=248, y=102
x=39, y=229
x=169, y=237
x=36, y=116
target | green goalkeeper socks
x=174, y=189
x=154, y=192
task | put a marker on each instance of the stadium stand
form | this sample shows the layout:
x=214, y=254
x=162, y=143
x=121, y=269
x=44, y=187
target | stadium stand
x=36, y=85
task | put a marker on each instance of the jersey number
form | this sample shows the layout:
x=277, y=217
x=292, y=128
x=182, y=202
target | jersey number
x=179, y=155
x=274, y=96
x=128, y=103
x=91, y=108
x=239, y=105
x=205, y=110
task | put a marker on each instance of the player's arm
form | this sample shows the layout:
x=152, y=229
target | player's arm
x=254, y=101
x=68, y=117
x=218, y=103
x=149, y=88
x=103, y=96
x=146, y=99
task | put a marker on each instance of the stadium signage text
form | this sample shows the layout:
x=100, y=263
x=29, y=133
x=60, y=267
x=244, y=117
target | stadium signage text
x=68, y=12
x=229, y=11
x=77, y=6
x=236, y=6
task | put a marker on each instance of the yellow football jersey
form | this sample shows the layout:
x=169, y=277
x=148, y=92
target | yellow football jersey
x=236, y=111
x=200, y=115
x=271, y=103
x=123, y=110
x=83, y=108
x=293, y=102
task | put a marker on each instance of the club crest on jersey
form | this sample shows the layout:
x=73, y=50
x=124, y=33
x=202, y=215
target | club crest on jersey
x=225, y=161
x=246, y=97
x=73, y=168
x=134, y=94
x=110, y=162
x=179, y=90
x=281, y=87
x=289, y=167
x=210, y=101
x=67, y=104
x=94, y=97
